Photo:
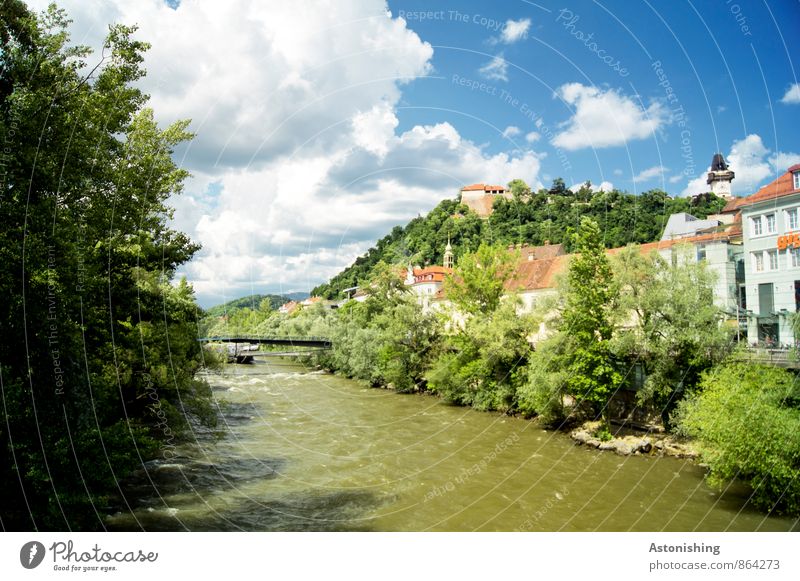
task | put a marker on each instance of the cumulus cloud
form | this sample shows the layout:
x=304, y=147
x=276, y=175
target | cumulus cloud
x=515, y=30
x=650, y=173
x=604, y=186
x=496, y=69
x=782, y=161
x=605, y=118
x=511, y=131
x=260, y=79
x=298, y=167
x=753, y=164
x=532, y=137
x=792, y=95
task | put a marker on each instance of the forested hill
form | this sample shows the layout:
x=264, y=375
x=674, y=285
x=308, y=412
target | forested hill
x=530, y=218
x=250, y=302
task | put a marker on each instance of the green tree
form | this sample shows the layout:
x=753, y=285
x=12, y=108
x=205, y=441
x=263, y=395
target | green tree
x=746, y=419
x=484, y=363
x=675, y=330
x=107, y=377
x=587, y=322
x=479, y=279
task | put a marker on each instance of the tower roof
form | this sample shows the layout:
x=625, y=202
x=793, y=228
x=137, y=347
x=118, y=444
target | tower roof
x=718, y=163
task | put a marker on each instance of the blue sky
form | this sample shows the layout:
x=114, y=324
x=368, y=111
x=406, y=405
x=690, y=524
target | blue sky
x=728, y=65
x=322, y=125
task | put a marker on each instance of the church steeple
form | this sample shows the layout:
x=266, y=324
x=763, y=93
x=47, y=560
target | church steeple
x=448, y=255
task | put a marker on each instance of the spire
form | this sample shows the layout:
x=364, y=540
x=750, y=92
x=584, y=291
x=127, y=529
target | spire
x=448, y=254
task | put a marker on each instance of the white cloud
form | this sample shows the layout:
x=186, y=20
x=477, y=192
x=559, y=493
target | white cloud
x=721, y=109
x=677, y=178
x=496, y=69
x=374, y=129
x=605, y=118
x=260, y=79
x=650, y=173
x=515, y=30
x=792, y=96
x=782, y=161
x=752, y=162
x=297, y=166
x=604, y=186
x=618, y=172
x=532, y=137
x=511, y=131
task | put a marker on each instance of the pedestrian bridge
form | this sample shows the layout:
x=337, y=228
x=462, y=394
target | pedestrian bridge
x=308, y=341
x=244, y=348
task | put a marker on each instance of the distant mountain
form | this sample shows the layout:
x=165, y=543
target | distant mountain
x=250, y=302
x=296, y=296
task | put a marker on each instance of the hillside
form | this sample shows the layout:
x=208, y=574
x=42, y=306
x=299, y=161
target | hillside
x=530, y=218
x=249, y=302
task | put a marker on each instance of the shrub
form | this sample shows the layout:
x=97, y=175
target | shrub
x=746, y=420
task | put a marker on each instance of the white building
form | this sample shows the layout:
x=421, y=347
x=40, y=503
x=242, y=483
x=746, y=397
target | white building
x=771, y=223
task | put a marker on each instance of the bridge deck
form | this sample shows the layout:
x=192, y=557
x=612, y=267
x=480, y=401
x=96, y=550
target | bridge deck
x=291, y=341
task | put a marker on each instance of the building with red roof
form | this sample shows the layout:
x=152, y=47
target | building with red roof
x=480, y=197
x=770, y=222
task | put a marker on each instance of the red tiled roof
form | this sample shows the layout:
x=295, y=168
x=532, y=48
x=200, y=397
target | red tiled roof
x=482, y=188
x=541, y=252
x=537, y=274
x=733, y=205
x=778, y=188
x=421, y=275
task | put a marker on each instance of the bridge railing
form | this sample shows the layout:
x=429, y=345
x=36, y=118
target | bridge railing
x=778, y=357
x=262, y=339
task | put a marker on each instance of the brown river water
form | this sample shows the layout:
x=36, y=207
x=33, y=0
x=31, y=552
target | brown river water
x=308, y=451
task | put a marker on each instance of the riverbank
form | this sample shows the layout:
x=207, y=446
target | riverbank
x=627, y=442
x=624, y=441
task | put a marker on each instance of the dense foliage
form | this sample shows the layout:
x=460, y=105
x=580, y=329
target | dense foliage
x=612, y=316
x=250, y=301
x=747, y=419
x=529, y=218
x=482, y=360
x=98, y=352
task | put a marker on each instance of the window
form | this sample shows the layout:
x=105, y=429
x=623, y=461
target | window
x=758, y=262
x=796, y=176
x=756, y=223
x=797, y=295
x=770, y=223
x=701, y=253
x=773, y=259
x=765, y=299
x=795, y=254
x=791, y=218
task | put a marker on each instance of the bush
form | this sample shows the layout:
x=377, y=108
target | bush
x=747, y=421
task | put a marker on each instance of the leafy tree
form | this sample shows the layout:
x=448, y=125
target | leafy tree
x=746, y=418
x=87, y=263
x=587, y=322
x=480, y=278
x=676, y=330
x=483, y=364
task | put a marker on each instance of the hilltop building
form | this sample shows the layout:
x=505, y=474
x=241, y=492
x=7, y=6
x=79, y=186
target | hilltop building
x=480, y=197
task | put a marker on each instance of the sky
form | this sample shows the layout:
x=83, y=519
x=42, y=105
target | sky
x=322, y=124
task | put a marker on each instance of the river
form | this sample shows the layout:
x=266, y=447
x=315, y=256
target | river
x=307, y=451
